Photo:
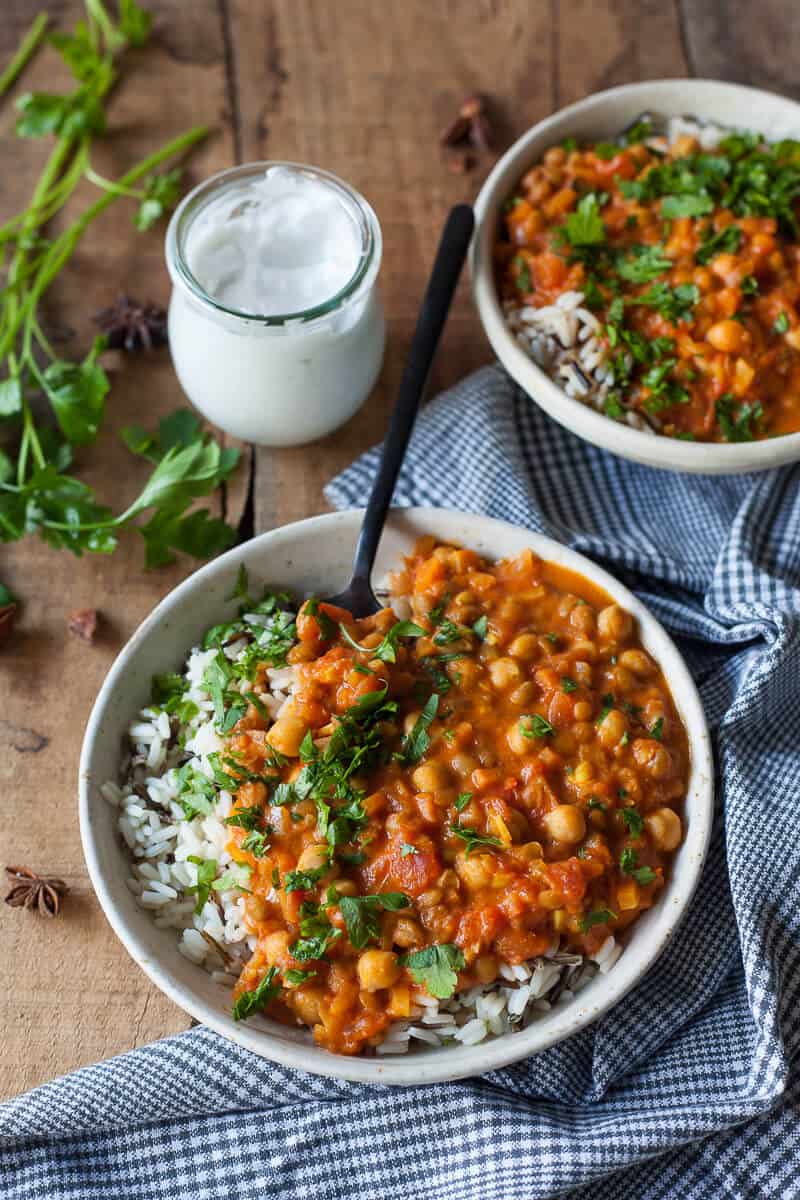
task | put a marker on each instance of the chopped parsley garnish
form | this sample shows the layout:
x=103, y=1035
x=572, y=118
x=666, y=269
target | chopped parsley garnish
x=629, y=865
x=585, y=227
x=697, y=205
x=386, y=650
x=436, y=614
x=304, y=881
x=257, y=842
x=207, y=881
x=781, y=323
x=642, y=264
x=608, y=703
x=248, y=818
x=727, y=241
x=522, y=274
x=481, y=627
x=462, y=800
x=595, y=804
x=252, y=1002
x=436, y=967
x=327, y=627
x=448, y=632
x=316, y=934
x=673, y=304
x=633, y=821
x=657, y=730
x=416, y=742
x=473, y=840
x=606, y=150
x=360, y=914
x=407, y=848
x=568, y=685
x=598, y=916
x=737, y=426
x=749, y=286
x=295, y=977
x=535, y=726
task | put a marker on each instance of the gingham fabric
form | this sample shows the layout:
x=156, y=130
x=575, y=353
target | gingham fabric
x=686, y=1090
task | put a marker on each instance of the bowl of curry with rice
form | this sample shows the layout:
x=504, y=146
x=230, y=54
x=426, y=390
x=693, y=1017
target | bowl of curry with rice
x=637, y=271
x=407, y=848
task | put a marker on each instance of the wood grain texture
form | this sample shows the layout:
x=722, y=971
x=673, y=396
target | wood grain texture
x=362, y=90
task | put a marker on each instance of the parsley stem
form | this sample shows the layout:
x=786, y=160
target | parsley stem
x=108, y=185
x=25, y=51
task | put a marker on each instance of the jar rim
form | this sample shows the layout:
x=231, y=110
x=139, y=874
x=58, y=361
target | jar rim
x=195, y=203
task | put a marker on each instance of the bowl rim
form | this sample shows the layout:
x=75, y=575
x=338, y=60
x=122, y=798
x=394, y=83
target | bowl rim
x=653, y=450
x=446, y=1063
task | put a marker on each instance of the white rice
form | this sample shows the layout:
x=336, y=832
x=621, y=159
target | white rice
x=160, y=839
x=560, y=337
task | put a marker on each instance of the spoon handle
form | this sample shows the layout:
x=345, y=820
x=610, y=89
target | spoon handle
x=450, y=256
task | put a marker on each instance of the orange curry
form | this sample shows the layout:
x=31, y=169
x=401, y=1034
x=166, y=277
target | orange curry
x=450, y=793
x=689, y=258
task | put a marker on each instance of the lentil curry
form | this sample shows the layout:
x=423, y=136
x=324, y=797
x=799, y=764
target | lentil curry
x=448, y=794
x=688, y=258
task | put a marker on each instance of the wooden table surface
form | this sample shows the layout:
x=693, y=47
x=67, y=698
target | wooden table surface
x=363, y=90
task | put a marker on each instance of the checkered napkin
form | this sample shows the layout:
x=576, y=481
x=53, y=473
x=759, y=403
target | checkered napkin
x=687, y=1089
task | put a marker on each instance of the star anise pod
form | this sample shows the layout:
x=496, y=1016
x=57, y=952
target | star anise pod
x=130, y=325
x=83, y=623
x=469, y=130
x=29, y=890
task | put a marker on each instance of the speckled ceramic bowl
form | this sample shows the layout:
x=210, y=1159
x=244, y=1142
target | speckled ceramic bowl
x=315, y=556
x=601, y=116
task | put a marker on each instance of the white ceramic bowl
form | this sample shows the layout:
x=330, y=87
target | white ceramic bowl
x=315, y=556
x=602, y=116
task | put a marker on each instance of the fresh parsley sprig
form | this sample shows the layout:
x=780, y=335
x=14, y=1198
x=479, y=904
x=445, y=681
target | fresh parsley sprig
x=36, y=492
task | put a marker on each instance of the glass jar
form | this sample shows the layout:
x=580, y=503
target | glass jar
x=277, y=379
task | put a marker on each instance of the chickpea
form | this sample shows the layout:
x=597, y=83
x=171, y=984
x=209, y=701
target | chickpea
x=614, y=624
x=313, y=857
x=664, y=827
x=288, y=732
x=518, y=743
x=377, y=969
x=582, y=710
x=432, y=777
x=430, y=898
x=345, y=887
x=585, y=649
x=276, y=947
x=556, y=156
x=612, y=728
x=517, y=825
x=583, y=620
x=476, y=870
x=565, y=823
x=638, y=662
x=504, y=673
x=652, y=757
x=306, y=1003
x=463, y=764
x=525, y=647
x=583, y=774
x=407, y=932
x=524, y=695
x=729, y=337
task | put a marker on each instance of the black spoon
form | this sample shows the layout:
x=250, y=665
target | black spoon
x=358, y=597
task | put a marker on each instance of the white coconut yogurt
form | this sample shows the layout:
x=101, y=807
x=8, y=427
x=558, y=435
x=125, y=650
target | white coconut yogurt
x=276, y=328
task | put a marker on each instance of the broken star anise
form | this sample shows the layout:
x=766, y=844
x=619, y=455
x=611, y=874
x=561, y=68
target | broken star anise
x=470, y=130
x=29, y=890
x=130, y=325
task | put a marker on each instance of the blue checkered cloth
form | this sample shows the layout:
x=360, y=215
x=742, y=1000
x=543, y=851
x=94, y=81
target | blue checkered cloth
x=687, y=1090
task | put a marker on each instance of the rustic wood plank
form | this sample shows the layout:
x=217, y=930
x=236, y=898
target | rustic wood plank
x=745, y=43
x=72, y=994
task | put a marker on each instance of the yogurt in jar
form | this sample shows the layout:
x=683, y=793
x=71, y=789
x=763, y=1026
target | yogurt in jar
x=276, y=328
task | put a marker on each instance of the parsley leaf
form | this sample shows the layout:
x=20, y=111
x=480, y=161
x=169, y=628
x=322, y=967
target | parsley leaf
x=303, y=881
x=674, y=304
x=585, y=227
x=599, y=916
x=535, y=726
x=436, y=968
x=633, y=821
x=568, y=685
x=628, y=862
x=360, y=914
x=251, y=1002
x=386, y=650
x=316, y=935
x=415, y=743
x=295, y=977
x=462, y=800
x=473, y=839
x=727, y=241
x=781, y=324
x=697, y=205
x=642, y=264
x=737, y=426
x=481, y=627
